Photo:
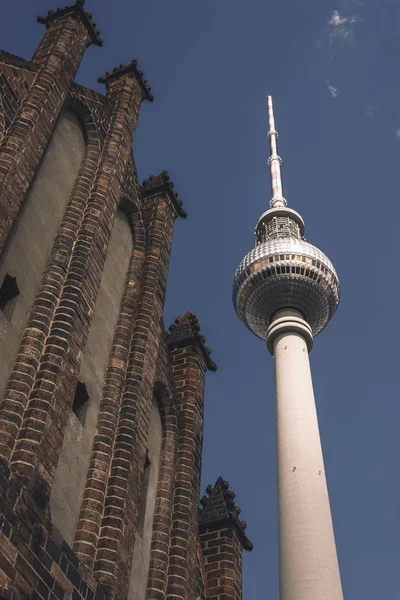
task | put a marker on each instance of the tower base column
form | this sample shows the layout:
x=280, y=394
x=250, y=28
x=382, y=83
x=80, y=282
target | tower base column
x=308, y=565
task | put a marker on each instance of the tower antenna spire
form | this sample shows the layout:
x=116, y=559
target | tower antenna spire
x=274, y=161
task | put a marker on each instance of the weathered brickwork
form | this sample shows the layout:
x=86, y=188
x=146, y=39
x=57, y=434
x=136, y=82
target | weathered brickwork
x=15, y=80
x=189, y=361
x=57, y=59
x=146, y=364
x=35, y=562
x=201, y=585
x=222, y=538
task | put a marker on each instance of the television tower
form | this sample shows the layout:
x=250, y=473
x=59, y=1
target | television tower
x=285, y=291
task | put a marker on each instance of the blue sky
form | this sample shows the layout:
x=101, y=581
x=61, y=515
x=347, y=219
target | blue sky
x=332, y=68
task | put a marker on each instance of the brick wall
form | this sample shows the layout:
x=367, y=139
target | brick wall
x=222, y=539
x=68, y=33
x=190, y=359
x=145, y=361
x=35, y=562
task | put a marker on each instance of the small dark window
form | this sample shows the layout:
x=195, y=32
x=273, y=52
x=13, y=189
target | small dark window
x=81, y=401
x=143, y=494
x=9, y=293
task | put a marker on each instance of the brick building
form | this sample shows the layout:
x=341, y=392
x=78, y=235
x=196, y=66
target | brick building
x=101, y=418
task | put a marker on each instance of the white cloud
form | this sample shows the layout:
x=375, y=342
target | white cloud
x=341, y=29
x=397, y=134
x=334, y=91
x=337, y=19
x=371, y=111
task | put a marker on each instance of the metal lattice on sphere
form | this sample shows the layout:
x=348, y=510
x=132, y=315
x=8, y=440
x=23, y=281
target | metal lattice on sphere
x=285, y=273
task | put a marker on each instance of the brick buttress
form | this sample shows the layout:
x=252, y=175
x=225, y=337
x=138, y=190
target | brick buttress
x=92, y=508
x=40, y=436
x=123, y=485
x=190, y=359
x=49, y=293
x=222, y=539
x=69, y=32
x=162, y=521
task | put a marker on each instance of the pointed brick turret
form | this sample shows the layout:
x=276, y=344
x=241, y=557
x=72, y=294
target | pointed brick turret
x=222, y=539
x=129, y=70
x=162, y=183
x=69, y=32
x=219, y=508
x=186, y=331
x=77, y=11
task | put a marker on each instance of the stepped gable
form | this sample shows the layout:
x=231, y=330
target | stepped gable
x=162, y=182
x=76, y=10
x=219, y=509
x=128, y=69
x=186, y=331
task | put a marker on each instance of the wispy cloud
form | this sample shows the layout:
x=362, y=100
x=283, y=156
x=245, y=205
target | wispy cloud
x=371, y=111
x=397, y=134
x=341, y=29
x=334, y=91
x=337, y=19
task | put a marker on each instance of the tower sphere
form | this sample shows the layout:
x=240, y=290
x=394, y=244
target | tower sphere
x=283, y=270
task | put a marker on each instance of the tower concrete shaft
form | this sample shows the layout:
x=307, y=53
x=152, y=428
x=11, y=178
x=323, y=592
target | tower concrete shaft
x=308, y=564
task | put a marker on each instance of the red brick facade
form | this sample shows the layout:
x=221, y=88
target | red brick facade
x=222, y=539
x=145, y=361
